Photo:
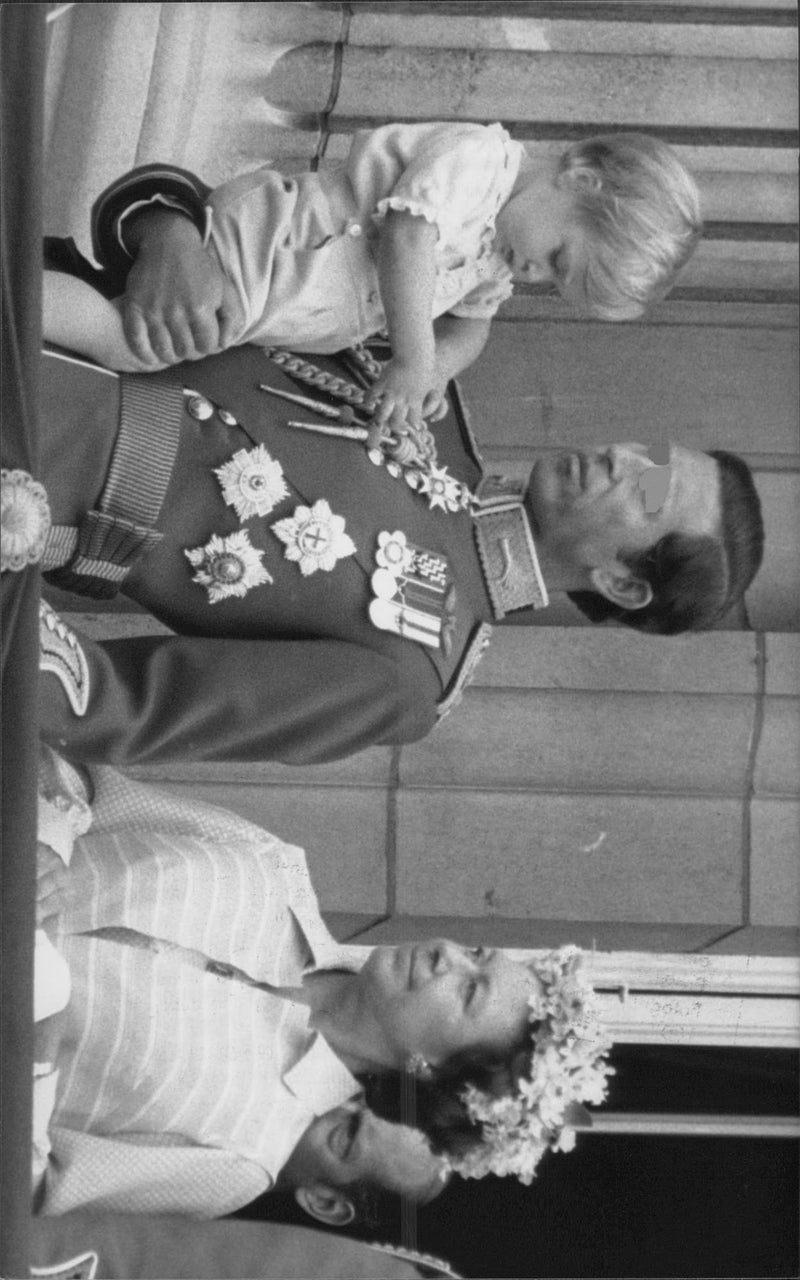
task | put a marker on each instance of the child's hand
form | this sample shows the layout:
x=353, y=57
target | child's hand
x=404, y=391
x=435, y=405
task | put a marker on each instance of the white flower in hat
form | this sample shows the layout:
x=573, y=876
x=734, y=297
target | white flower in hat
x=567, y=1068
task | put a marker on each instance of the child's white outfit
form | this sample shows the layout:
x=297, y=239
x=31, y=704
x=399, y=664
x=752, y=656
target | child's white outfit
x=301, y=250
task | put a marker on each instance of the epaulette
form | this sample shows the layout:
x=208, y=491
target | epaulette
x=61, y=654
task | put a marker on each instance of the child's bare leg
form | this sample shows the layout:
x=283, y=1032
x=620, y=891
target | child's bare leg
x=77, y=317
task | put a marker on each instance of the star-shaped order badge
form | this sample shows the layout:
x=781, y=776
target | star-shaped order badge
x=314, y=537
x=228, y=566
x=252, y=482
x=441, y=488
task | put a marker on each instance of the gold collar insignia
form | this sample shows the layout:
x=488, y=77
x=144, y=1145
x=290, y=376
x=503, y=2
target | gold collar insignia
x=506, y=547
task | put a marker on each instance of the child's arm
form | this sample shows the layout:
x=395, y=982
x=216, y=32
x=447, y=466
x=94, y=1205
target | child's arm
x=407, y=275
x=77, y=317
x=459, y=341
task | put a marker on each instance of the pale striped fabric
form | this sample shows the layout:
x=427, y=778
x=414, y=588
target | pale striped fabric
x=162, y=1054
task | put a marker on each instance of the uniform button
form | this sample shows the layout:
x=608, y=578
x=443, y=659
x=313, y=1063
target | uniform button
x=354, y=229
x=200, y=408
x=227, y=418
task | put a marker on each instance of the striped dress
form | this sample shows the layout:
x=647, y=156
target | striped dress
x=183, y=1089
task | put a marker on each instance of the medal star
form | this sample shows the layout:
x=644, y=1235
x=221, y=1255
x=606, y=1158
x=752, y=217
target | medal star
x=252, y=482
x=314, y=538
x=442, y=490
x=228, y=566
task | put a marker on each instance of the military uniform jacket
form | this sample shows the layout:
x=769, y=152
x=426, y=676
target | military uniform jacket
x=294, y=669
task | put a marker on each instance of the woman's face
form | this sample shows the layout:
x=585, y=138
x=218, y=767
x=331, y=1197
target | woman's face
x=438, y=998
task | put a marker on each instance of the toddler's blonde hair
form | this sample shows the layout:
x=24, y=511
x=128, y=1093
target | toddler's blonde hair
x=640, y=209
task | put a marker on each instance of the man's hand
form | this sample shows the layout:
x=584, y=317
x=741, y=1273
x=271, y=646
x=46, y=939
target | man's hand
x=51, y=881
x=177, y=304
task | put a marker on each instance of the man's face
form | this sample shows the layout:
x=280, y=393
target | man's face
x=594, y=508
x=349, y=1144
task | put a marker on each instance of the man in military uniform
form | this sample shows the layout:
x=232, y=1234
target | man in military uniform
x=332, y=585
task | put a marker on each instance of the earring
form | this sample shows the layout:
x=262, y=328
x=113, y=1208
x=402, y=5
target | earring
x=417, y=1066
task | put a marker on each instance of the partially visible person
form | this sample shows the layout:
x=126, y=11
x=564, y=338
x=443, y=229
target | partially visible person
x=213, y=1019
x=260, y=545
x=422, y=230
x=183, y=1082
x=122, y=1246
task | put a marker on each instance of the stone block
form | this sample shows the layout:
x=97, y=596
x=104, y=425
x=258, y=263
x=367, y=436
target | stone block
x=708, y=387
x=759, y=940
x=783, y=664
x=617, y=659
x=435, y=84
x=775, y=863
x=643, y=859
x=778, y=764
x=565, y=740
x=773, y=601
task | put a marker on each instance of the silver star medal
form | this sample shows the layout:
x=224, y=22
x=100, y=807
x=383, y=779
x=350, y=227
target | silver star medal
x=228, y=567
x=413, y=595
x=252, y=482
x=314, y=538
x=441, y=489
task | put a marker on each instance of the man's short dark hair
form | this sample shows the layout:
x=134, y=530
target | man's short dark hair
x=374, y=1206
x=377, y=1210
x=695, y=580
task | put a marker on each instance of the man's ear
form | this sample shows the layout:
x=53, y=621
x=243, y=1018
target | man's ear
x=327, y=1204
x=621, y=587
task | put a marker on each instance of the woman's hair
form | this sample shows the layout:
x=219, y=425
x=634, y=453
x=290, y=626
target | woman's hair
x=437, y=1106
x=493, y=1112
x=640, y=211
x=694, y=580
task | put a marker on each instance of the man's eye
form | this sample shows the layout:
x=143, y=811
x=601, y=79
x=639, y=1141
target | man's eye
x=477, y=952
x=352, y=1129
x=472, y=987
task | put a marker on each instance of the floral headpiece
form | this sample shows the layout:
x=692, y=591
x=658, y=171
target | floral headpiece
x=567, y=1066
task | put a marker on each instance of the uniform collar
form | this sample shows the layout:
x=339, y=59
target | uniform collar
x=506, y=547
